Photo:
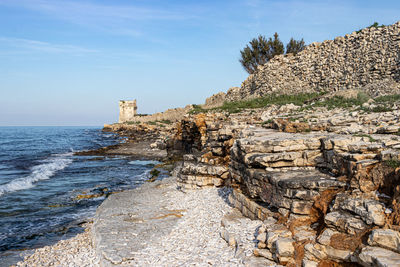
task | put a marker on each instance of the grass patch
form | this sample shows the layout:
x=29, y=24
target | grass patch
x=132, y=122
x=383, y=108
x=165, y=121
x=280, y=100
x=387, y=98
x=197, y=109
x=392, y=163
x=301, y=99
x=371, y=139
x=342, y=102
x=161, y=123
x=261, y=102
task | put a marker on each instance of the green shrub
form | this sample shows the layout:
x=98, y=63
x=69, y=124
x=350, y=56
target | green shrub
x=197, y=109
x=259, y=51
x=342, y=102
x=381, y=108
x=373, y=25
x=295, y=46
x=388, y=98
x=392, y=163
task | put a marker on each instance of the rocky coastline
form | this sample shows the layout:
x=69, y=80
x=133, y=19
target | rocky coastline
x=261, y=192
x=306, y=179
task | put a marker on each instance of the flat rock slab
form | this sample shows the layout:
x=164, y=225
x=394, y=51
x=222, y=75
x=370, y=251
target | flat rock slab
x=126, y=222
x=139, y=150
x=311, y=179
x=136, y=150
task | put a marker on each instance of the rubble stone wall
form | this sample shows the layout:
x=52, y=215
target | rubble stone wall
x=368, y=59
x=173, y=114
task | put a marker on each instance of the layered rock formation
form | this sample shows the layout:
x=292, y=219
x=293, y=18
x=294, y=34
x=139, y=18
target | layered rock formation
x=313, y=209
x=323, y=181
x=208, y=139
x=323, y=177
x=366, y=59
x=312, y=189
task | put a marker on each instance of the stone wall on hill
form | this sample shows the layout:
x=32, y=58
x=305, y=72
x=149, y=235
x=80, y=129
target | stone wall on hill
x=368, y=59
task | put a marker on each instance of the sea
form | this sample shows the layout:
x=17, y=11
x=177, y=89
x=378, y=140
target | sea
x=47, y=192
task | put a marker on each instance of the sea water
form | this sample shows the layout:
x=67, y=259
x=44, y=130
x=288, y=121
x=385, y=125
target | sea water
x=46, y=191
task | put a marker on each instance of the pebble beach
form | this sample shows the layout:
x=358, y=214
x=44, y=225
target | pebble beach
x=194, y=240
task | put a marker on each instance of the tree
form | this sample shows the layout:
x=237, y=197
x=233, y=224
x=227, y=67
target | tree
x=254, y=54
x=276, y=46
x=259, y=51
x=295, y=46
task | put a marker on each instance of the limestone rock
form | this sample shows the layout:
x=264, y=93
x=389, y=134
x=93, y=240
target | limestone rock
x=344, y=222
x=284, y=247
x=308, y=263
x=375, y=256
x=263, y=253
x=385, y=238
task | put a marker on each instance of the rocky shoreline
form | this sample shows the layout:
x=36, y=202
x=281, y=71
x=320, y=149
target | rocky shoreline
x=184, y=228
x=280, y=185
x=299, y=178
x=76, y=251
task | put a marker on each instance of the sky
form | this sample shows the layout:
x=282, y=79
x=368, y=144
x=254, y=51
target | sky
x=69, y=62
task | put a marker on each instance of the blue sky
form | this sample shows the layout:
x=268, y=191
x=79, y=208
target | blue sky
x=68, y=62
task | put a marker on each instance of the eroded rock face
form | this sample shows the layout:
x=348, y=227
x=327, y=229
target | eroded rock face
x=208, y=138
x=321, y=194
x=313, y=184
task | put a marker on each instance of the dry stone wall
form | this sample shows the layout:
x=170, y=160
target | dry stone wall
x=369, y=59
x=173, y=114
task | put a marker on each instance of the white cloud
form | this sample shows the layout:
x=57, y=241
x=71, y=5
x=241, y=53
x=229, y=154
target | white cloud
x=116, y=19
x=46, y=47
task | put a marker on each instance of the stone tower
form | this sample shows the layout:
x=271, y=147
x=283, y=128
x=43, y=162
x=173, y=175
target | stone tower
x=127, y=110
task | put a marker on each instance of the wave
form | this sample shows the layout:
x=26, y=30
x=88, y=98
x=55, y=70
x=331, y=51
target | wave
x=39, y=172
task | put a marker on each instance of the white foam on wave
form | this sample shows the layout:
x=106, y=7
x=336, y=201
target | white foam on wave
x=39, y=172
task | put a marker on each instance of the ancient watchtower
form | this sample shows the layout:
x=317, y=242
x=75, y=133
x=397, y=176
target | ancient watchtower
x=127, y=110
